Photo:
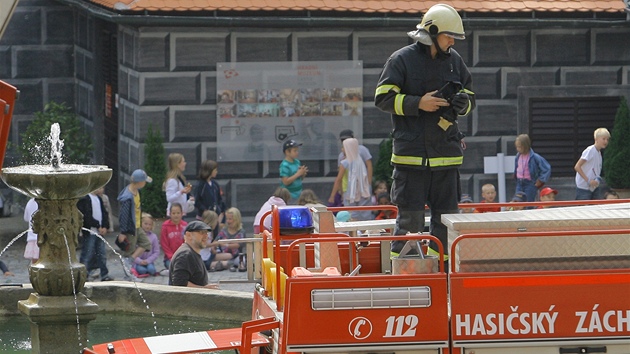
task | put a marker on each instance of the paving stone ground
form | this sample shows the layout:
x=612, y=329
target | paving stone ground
x=13, y=257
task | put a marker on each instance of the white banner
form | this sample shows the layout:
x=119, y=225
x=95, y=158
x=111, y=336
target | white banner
x=261, y=105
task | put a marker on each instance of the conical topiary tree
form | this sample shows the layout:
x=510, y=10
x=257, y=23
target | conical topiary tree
x=153, y=197
x=617, y=154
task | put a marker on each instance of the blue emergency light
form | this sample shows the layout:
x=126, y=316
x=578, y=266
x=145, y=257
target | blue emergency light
x=295, y=220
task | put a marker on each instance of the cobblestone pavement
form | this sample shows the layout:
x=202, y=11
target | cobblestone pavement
x=13, y=257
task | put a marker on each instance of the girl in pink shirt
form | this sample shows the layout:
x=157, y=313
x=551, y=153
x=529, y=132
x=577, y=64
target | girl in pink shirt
x=172, y=235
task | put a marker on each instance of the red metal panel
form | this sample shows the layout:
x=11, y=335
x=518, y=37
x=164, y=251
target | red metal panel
x=531, y=306
x=359, y=327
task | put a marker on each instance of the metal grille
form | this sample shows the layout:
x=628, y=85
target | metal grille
x=370, y=298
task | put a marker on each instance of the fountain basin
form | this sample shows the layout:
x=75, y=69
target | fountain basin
x=66, y=182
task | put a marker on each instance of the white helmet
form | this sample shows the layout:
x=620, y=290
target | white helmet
x=439, y=19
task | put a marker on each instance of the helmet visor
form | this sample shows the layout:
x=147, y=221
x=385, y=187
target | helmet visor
x=454, y=35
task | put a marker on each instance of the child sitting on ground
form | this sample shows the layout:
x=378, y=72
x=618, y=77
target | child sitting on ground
x=208, y=254
x=227, y=255
x=143, y=265
x=488, y=193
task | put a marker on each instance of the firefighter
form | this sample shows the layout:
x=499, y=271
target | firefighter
x=425, y=87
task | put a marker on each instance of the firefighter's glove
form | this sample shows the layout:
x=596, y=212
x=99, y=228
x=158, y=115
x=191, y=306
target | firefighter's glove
x=460, y=102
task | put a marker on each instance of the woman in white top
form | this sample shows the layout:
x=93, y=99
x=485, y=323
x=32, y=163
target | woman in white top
x=175, y=186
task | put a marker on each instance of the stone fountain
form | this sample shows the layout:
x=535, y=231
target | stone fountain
x=58, y=310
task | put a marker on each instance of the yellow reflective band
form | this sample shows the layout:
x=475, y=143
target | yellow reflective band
x=469, y=103
x=407, y=160
x=431, y=252
x=398, y=104
x=445, y=161
x=386, y=88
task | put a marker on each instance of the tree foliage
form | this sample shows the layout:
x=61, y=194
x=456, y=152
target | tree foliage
x=153, y=197
x=617, y=154
x=35, y=146
x=383, y=169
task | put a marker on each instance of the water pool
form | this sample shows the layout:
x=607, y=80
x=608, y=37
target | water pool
x=15, y=333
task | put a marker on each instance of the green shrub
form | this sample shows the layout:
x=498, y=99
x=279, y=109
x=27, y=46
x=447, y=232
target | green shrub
x=617, y=154
x=383, y=169
x=35, y=146
x=153, y=197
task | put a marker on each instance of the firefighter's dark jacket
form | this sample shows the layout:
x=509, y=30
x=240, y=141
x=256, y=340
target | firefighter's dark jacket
x=419, y=141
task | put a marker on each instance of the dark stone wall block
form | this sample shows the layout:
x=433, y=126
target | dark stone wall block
x=376, y=123
x=324, y=48
x=487, y=84
x=369, y=85
x=158, y=119
x=25, y=27
x=31, y=97
x=593, y=76
x=476, y=150
x=530, y=77
x=62, y=92
x=239, y=169
x=464, y=49
x=45, y=62
x=374, y=51
x=5, y=62
x=562, y=49
x=497, y=119
x=210, y=83
x=195, y=125
x=256, y=49
x=153, y=53
x=59, y=26
x=612, y=49
x=171, y=90
x=503, y=49
x=199, y=53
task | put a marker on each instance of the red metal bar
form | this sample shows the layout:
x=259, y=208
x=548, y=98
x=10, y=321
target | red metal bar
x=8, y=95
x=255, y=326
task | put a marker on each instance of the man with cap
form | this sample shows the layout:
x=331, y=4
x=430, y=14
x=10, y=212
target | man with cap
x=426, y=86
x=187, y=267
x=132, y=240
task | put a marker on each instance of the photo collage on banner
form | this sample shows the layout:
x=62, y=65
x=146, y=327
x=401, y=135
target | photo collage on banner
x=261, y=105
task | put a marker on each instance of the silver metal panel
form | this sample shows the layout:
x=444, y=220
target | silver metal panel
x=542, y=253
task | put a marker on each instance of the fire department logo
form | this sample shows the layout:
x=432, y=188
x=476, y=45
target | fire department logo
x=360, y=328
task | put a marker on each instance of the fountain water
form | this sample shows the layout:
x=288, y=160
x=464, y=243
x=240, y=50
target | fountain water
x=58, y=310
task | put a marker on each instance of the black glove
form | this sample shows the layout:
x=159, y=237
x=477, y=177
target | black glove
x=460, y=102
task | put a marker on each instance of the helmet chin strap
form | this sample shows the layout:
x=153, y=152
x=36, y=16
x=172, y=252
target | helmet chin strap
x=433, y=32
x=441, y=54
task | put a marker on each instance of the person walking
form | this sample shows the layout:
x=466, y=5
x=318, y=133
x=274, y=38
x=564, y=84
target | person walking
x=132, y=239
x=531, y=170
x=95, y=219
x=426, y=86
x=588, y=168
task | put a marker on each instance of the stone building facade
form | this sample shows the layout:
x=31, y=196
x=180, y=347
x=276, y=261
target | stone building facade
x=123, y=73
